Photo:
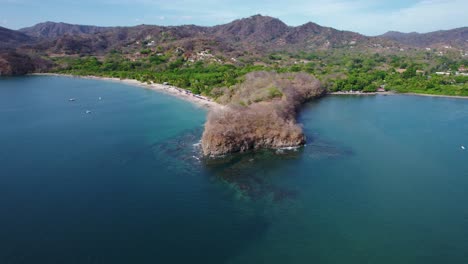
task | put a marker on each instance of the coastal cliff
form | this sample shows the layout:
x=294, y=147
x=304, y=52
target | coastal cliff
x=260, y=113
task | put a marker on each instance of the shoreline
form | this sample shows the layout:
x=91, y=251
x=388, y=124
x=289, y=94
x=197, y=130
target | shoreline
x=394, y=93
x=207, y=103
x=361, y=93
x=439, y=95
x=168, y=89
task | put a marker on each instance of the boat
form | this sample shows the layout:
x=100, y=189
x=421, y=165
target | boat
x=88, y=111
x=71, y=99
x=463, y=147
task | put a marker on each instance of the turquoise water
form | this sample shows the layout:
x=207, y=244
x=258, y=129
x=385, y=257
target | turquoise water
x=383, y=179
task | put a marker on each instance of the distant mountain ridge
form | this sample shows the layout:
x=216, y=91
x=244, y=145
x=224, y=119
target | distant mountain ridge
x=256, y=32
x=54, y=30
x=454, y=37
x=251, y=38
x=12, y=38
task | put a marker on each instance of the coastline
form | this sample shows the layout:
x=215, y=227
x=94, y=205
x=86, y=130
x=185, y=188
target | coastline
x=394, y=93
x=361, y=93
x=207, y=103
x=168, y=89
x=439, y=95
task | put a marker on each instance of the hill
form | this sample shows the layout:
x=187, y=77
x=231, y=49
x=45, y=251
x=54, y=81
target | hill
x=257, y=34
x=54, y=30
x=254, y=41
x=11, y=38
x=455, y=37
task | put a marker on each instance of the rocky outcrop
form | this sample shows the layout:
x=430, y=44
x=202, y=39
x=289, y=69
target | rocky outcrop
x=14, y=63
x=265, y=124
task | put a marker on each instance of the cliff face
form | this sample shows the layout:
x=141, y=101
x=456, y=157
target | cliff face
x=265, y=124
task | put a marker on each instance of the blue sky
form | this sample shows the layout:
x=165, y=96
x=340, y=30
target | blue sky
x=369, y=17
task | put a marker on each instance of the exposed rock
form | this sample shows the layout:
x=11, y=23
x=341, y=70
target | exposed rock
x=265, y=124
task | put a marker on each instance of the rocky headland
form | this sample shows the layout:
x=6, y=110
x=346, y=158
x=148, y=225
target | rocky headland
x=259, y=113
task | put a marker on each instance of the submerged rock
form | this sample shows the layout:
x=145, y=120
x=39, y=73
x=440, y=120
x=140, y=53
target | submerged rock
x=269, y=123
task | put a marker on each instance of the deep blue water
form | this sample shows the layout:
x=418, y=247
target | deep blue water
x=383, y=179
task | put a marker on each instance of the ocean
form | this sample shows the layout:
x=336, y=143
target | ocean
x=116, y=176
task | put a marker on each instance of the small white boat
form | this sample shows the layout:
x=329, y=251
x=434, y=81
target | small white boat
x=463, y=147
x=88, y=111
x=71, y=99
x=100, y=98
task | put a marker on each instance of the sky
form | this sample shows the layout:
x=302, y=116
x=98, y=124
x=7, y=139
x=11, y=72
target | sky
x=369, y=17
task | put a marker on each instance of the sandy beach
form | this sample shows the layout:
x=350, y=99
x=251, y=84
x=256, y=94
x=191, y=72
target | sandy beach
x=186, y=95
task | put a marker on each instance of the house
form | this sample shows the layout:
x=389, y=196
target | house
x=442, y=73
x=400, y=70
x=462, y=69
x=381, y=88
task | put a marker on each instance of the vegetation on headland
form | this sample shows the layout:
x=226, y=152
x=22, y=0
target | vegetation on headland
x=338, y=70
x=261, y=113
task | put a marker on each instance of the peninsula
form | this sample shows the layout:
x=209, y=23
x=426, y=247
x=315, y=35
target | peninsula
x=261, y=113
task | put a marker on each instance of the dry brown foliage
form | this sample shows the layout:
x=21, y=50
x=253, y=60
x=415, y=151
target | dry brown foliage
x=255, y=119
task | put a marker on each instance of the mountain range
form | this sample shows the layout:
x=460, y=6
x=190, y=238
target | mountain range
x=456, y=37
x=257, y=36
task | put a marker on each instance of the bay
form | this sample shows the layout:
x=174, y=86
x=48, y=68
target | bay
x=382, y=179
